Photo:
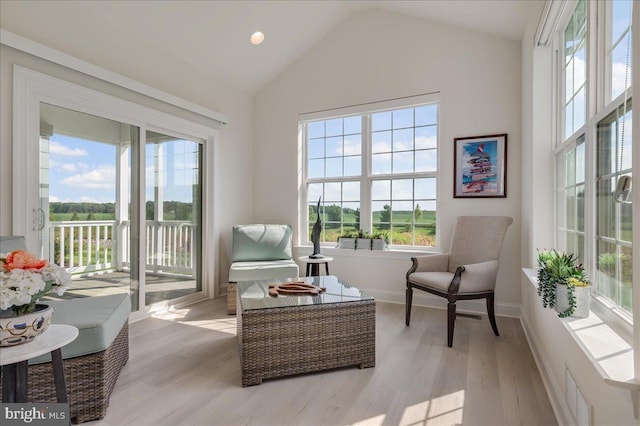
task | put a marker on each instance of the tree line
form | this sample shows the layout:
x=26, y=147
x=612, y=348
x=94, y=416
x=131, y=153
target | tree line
x=173, y=210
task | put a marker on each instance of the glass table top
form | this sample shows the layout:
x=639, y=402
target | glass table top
x=255, y=294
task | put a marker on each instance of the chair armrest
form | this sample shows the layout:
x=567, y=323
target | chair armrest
x=477, y=277
x=438, y=262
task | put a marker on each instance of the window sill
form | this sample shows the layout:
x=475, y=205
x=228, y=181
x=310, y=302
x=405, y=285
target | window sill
x=607, y=350
x=390, y=253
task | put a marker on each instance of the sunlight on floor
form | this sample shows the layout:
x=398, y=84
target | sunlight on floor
x=224, y=325
x=415, y=414
x=445, y=409
x=373, y=421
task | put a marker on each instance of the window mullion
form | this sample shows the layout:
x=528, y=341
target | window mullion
x=365, y=180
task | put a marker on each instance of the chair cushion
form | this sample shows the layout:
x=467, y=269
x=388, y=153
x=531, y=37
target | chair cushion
x=12, y=243
x=478, y=277
x=265, y=270
x=99, y=320
x=436, y=280
x=261, y=242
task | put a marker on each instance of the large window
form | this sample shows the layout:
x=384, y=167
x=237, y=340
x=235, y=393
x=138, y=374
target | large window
x=374, y=172
x=614, y=223
x=571, y=153
x=618, y=50
x=571, y=198
x=574, y=70
x=594, y=146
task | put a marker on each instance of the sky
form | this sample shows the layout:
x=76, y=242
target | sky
x=81, y=171
x=85, y=171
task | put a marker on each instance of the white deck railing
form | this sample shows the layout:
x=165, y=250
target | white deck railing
x=102, y=245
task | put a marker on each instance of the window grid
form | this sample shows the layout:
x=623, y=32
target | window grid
x=614, y=226
x=571, y=198
x=339, y=208
x=618, y=47
x=575, y=47
x=399, y=149
x=600, y=232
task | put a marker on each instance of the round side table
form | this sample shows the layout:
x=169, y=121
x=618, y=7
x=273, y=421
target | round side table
x=313, y=265
x=14, y=362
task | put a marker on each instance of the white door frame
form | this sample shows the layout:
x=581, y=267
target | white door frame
x=30, y=88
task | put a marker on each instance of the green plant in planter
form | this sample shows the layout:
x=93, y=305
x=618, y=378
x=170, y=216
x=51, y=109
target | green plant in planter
x=348, y=234
x=363, y=234
x=556, y=268
x=378, y=235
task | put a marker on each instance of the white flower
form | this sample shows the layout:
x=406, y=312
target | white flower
x=20, y=287
x=58, y=275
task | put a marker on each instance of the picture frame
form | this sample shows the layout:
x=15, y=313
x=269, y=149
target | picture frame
x=480, y=166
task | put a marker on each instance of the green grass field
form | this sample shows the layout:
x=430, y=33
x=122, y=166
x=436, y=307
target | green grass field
x=400, y=229
x=63, y=217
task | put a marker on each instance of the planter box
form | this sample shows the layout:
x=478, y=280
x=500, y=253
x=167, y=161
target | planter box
x=347, y=243
x=583, y=298
x=363, y=244
x=378, y=244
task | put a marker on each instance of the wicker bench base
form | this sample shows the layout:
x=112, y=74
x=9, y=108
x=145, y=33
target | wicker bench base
x=285, y=341
x=231, y=298
x=90, y=379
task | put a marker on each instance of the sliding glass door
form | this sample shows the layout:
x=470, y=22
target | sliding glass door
x=96, y=218
x=173, y=217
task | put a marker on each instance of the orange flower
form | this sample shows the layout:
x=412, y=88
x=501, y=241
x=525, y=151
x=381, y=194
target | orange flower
x=20, y=259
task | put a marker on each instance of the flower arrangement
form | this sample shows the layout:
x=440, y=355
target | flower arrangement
x=24, y=279
x=559, y=269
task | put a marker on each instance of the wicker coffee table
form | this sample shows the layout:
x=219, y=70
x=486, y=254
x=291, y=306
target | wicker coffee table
x=286, y=335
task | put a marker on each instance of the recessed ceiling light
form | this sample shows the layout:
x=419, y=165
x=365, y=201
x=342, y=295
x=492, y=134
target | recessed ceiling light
x=256, y=38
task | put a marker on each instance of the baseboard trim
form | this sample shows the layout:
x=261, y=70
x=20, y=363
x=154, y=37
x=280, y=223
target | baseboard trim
x=554, y=391
x=421, y=298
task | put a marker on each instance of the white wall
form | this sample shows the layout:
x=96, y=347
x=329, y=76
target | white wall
x=234, y=185
x=375, y=56
x=537, y=146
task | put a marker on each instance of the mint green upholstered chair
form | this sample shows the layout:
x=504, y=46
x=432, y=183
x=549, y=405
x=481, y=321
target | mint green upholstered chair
x=260, y=252
x=468, y=271
x=12, y=243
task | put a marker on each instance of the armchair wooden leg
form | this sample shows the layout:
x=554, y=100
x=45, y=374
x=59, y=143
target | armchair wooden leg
x=407, y=305
x=492, y=316
x=451, y=322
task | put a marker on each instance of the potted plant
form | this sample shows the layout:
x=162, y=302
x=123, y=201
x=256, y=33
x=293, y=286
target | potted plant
x=363, y=240
x=379, y=240
x=563, y=284
x=347, y=240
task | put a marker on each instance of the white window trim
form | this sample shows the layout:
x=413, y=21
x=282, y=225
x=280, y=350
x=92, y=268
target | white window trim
x=598, y=108
x=365, y=201
x=30, y=88
x=597, y=88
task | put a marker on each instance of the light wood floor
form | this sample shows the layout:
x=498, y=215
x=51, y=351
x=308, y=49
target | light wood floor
x=184, y=370
x=159, y=288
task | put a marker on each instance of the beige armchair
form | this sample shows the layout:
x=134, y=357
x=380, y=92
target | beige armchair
x=468, y=271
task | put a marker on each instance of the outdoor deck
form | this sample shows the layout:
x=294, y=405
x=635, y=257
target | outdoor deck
x=158, y=287
x=97, y=254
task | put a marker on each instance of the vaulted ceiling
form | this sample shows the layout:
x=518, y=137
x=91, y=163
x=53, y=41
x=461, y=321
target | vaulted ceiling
x=213, y=36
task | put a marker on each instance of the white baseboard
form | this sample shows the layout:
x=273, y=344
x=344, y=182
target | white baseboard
x=421, y=298
x=551, y=385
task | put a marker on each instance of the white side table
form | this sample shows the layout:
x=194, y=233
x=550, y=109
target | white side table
x=14, y=362
x=313, y=265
